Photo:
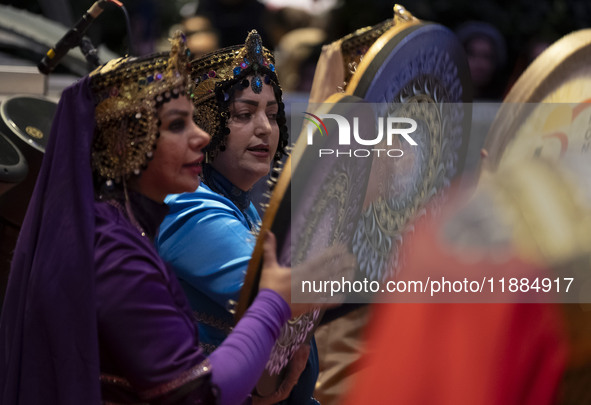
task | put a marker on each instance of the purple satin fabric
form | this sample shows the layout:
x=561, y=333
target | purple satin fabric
x=146, y=331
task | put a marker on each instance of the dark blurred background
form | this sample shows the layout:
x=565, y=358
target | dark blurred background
x=517, y=30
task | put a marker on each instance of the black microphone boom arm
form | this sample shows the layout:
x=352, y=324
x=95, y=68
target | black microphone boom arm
x=71, y=39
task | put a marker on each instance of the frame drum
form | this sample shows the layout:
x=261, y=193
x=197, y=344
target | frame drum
x=547, y=116
x=419, y=70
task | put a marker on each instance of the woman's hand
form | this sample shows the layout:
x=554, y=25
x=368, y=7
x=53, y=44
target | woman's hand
x=294, y=369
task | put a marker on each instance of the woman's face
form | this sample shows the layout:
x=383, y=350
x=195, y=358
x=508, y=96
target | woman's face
x=176, y=165
x=253, y=138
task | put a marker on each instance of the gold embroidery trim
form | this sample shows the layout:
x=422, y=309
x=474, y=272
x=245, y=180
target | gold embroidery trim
x=196, y=372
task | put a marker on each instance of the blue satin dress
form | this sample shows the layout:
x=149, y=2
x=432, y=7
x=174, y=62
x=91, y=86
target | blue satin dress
x=208, y=238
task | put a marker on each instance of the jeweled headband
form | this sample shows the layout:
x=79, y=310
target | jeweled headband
x=128, y=92
x=216, y=74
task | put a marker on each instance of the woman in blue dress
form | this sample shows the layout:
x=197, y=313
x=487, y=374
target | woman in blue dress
x=239, y=102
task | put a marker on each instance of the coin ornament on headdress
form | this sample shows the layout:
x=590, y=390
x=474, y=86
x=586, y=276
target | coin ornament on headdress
x=229, y=65
x=128, y=92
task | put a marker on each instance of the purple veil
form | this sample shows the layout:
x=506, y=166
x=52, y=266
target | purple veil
x=48, y=333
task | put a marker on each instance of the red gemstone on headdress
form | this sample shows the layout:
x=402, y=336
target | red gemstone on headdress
x=211, y=73
x=158, y=76
x=243, y=65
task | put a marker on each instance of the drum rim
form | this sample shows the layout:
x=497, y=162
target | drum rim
x=10, y=124
x=385, y=41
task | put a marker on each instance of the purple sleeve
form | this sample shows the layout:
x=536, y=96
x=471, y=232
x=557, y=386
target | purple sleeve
x=248, y=347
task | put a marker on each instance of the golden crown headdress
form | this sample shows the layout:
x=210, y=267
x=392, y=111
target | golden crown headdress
x=128, y=92
x=355, y=45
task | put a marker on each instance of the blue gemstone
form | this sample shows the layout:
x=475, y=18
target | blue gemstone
x=272, y=67
x=237, y=70
x=257, y=85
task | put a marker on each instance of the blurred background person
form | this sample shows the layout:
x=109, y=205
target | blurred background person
x=202, y=38
x=530, y=51
x=233, y=19
x=487, y=57
x=297, y=54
